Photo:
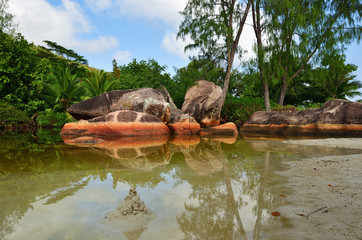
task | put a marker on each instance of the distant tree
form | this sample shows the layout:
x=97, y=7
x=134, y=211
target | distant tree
x=215, y=28
x=335, y=78
x=62, y=89
x=18, y=80
x=98, y=83
x=7, y=24
x=301, y=32
x=143, y=74
x=66, y=53
x=205, y=69
x=116, y=73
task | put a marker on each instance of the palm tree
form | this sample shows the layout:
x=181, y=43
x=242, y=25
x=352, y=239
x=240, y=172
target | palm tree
x=63, y=89
x=338, y=80
x=98, y=83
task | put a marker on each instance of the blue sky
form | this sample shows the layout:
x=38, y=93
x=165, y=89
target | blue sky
x=103, y=30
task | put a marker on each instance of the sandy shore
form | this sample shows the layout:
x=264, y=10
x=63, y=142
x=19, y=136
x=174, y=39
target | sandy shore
x=326, y=202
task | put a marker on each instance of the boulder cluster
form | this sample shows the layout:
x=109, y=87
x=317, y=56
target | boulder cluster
x=335, y=117
x=149, y=112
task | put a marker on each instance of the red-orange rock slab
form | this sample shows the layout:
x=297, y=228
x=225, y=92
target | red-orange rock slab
x=227, y=129
x=122, y=123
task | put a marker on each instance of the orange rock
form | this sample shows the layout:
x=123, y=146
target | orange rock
x=120, y=123
x=227, y=129
x=184, y=125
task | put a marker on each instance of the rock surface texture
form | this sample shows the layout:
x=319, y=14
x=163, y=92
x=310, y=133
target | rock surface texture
x=134, y=100
x=334, y=117
x=184, y=125
x=119, y=123
x=202, y=102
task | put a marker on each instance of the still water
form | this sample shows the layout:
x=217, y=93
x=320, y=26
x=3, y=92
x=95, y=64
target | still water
x=199, y=188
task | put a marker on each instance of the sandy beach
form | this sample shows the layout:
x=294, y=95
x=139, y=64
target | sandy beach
x=326, y=202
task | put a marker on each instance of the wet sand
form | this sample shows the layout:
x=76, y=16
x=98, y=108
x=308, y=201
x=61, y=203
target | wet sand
x=326, y=198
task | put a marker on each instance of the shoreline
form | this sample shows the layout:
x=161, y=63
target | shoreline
x=326, y=198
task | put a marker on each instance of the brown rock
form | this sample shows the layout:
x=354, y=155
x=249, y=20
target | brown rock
x=227, y=129
x=158, y=109
x=120, y=123
x=133, y=99
x=334, y=117
x=96, y=106
x=202, y=102
x=184, y=125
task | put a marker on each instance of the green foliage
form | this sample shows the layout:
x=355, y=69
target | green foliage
x=146, y=74
x=51, y=118
x=238, y=110
x=9, y=115
x=62, y=89
x=143, y=74
x=48, y=136
x=7, y=24
x=98, y=83
x=17, y=66
x=335, y=79
x=300, y=34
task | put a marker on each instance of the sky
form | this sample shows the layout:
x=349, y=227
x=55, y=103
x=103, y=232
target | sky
x=103, y=30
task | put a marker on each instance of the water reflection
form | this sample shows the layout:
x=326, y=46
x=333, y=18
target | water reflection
x=199, y=188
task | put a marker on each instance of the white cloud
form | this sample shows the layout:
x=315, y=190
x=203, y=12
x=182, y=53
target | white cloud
x=165, y=10
x=176, y=46
x=99, y=5
x=100, y=45
x=122, y=57
x=38, y=20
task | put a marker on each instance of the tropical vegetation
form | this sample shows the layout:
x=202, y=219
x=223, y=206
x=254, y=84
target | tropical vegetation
x=299, y=61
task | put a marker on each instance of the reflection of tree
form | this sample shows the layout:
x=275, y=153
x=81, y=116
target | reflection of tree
x=28, y=172
x=242, y=182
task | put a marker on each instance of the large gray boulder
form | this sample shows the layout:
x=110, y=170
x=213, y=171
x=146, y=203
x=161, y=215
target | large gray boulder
x=334, y=117
x=202, y=102
x=133, y=100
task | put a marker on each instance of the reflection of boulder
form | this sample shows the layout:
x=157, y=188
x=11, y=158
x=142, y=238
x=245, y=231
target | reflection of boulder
x=137, y=153
x=202, y=102
x=206, y=158
x=185, y=141
x=334, y=117
x=119, y=123
x=131, y=217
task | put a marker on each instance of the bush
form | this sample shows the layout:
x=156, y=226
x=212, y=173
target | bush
x=238, y=110
x=9, y=115
x=51, y=118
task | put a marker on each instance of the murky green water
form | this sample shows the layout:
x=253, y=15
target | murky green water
x=200, y=188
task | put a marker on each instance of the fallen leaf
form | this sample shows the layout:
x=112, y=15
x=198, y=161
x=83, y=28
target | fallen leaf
x=283, y=195
x=275, y=214
x=300, y=214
